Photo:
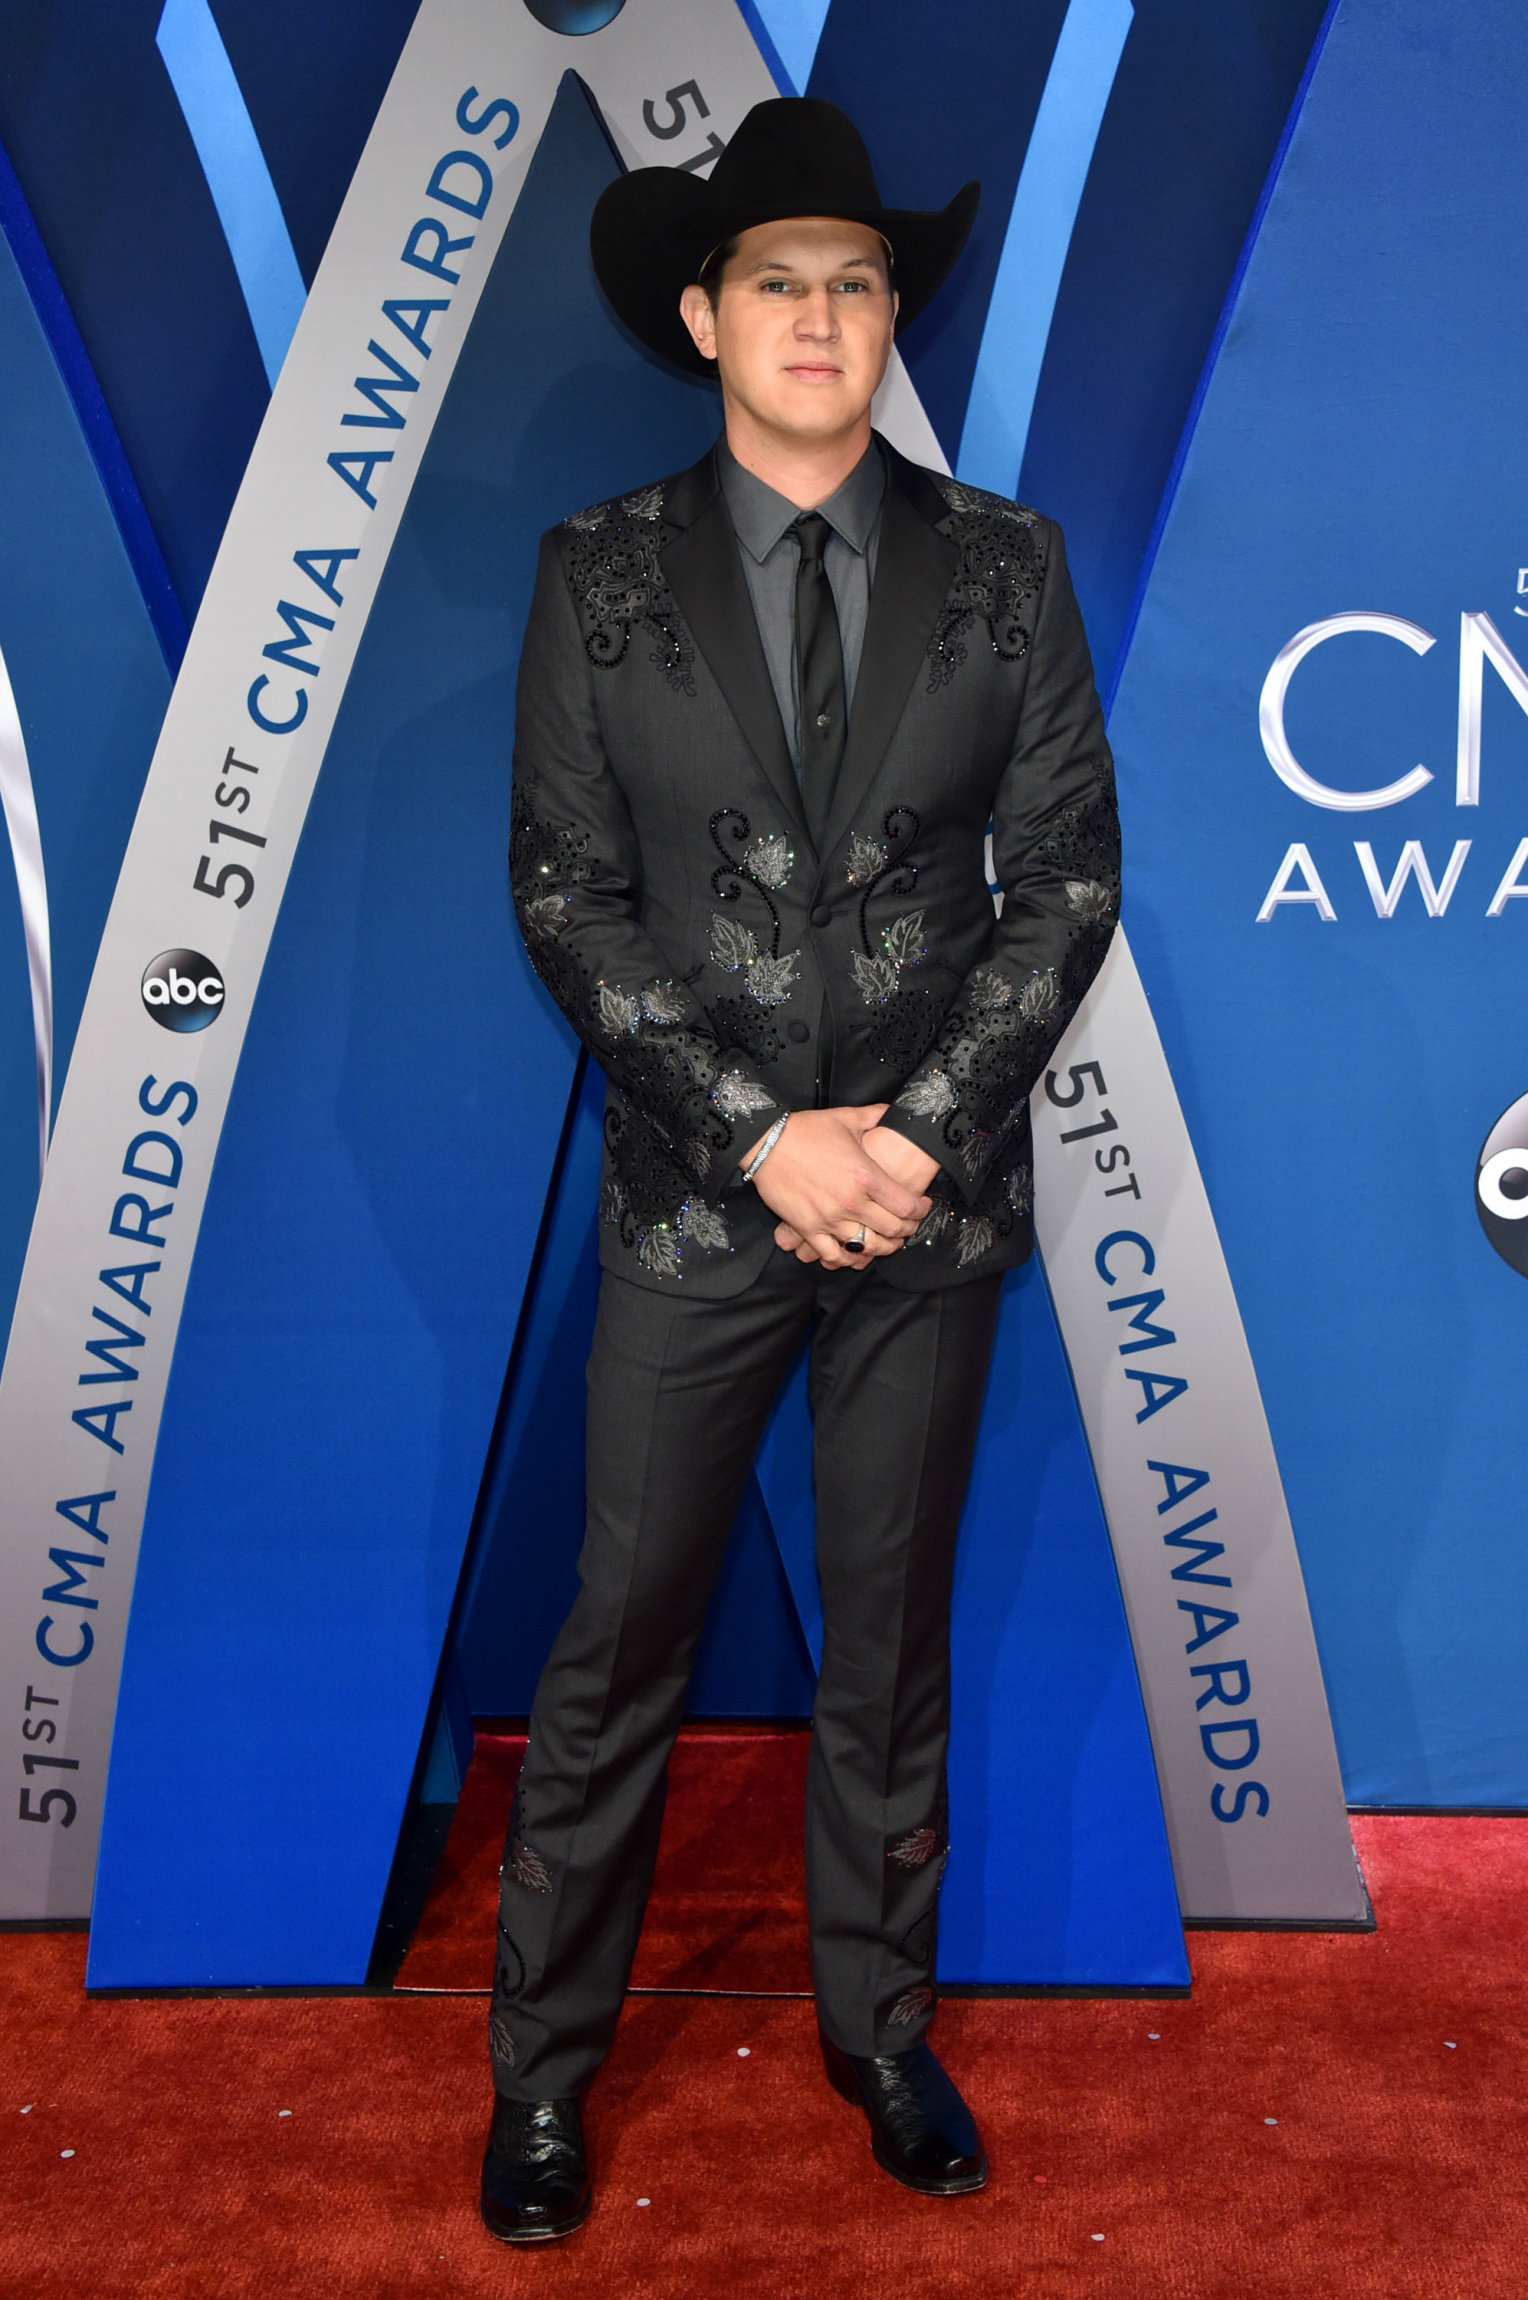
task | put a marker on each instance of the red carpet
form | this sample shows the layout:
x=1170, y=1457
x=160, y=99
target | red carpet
x=1393, y=2064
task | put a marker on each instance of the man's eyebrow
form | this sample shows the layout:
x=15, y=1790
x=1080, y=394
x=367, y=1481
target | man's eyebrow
x=782, y=264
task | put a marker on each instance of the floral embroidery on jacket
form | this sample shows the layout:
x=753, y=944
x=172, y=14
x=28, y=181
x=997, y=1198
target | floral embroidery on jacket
x=618, y=584
x=762, y=867
x=905, y=1015
x=1001, y=569
x=996, y=1038
x=676, y=1099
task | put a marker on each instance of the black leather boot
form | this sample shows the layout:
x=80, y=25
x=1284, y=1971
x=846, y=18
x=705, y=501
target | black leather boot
x=535, y=2174
x=921, y=2131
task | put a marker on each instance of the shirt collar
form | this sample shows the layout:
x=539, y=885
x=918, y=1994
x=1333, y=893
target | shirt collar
x=761, y=516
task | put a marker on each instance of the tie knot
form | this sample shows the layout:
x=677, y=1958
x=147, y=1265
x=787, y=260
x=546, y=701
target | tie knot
x=812, y=532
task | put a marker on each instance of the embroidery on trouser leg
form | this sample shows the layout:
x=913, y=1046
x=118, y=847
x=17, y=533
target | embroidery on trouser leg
x=527, y=1868
x=508, y=1971
x=508, y=1981
x=911, y=1851
x=523, y=1865
x=911, y=2005
x=918, y=1944
x=501, y=2044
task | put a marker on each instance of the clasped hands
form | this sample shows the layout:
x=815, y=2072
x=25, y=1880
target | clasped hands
x=839, y=1175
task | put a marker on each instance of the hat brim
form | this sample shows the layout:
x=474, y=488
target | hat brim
x=652, y=230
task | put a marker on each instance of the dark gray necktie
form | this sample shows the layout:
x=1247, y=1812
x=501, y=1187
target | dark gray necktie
x=819, y=672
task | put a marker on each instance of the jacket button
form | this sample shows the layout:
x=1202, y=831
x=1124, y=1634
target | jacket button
x=822, y=916
x=797, y=1031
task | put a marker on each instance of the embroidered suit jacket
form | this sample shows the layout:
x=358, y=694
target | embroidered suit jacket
x=720, y=967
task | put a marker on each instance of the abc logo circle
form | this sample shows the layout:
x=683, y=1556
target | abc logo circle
x=182, y=990
x=1501, y=1185
x=575, y=18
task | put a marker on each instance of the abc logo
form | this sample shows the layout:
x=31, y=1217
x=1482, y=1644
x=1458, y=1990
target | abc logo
x=1501, y=1185
x=182, y=990
x=573, y=18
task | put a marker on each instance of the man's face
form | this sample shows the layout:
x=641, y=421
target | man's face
x=802, y=328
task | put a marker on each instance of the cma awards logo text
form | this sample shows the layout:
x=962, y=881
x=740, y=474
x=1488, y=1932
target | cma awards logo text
x=182, y=990
x=1298, y=880
x=1501, y=1185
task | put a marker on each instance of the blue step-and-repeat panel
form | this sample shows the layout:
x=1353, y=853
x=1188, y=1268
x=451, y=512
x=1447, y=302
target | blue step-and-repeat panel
x=1250, y=344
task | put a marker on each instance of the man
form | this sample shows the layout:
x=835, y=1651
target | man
x=767, y=711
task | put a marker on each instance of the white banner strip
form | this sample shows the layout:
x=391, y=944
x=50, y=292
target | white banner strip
x=1119, y=1158
x=18, y=803
x=1185, y=1465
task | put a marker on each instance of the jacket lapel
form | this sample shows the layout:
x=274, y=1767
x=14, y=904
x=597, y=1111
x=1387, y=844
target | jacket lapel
x=915, y=565
x=706, y=577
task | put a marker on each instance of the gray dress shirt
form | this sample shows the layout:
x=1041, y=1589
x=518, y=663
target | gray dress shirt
x=771, y=555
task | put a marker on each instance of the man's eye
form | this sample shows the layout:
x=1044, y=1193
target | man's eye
x=770, y=286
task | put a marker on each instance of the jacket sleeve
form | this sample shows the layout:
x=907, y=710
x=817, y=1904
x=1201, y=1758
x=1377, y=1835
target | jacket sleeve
x=575, y=874
x=1056, y=856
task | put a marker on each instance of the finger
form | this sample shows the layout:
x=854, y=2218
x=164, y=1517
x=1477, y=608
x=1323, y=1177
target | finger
x=894, y=1197
x=894, y=1208
x=854, y=1205
x=787, y=1238
x=877, y=1247
x=864, y=1244
x=884, y=1224
x=879, y=1224
x=876, y=1237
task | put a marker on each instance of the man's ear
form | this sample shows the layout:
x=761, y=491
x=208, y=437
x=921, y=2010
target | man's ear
x=695, y=310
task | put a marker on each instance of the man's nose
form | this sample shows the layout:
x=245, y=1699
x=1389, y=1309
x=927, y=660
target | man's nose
x=816, y=317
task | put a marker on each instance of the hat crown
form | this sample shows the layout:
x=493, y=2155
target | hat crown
x=797, y=156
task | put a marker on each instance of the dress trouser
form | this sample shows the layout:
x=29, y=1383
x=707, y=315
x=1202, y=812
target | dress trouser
x=679, y=1391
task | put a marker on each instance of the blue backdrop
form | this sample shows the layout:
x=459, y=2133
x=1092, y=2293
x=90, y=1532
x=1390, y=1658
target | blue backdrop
x=1361, y=446
x=368, y=1234
x=429, y=1126
x=90, y=683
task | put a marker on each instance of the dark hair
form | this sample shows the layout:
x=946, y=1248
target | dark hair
x=713, y=267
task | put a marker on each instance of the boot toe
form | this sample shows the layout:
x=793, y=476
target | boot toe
x=536, y=2183
x=921, y=2131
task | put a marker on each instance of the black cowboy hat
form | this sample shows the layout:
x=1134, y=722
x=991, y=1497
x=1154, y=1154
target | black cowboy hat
x=794, y=156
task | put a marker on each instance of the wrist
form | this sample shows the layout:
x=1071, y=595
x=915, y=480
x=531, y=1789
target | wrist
x=919, y=1168
x=750, y=1165
x=904, y=1159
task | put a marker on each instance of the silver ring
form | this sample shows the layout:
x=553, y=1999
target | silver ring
x=856, y=1244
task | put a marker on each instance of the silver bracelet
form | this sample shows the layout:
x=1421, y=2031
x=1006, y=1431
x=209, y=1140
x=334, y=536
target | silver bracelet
x=765, y=1147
